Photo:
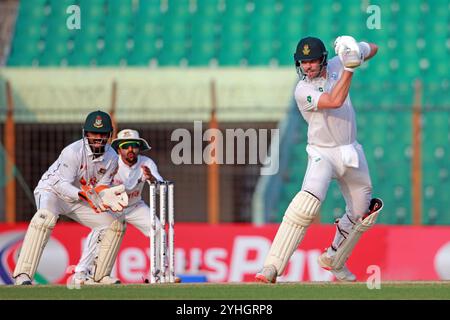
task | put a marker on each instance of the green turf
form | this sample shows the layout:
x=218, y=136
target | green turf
x=250, y=291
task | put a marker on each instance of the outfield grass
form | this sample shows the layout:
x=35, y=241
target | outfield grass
x=249, y=291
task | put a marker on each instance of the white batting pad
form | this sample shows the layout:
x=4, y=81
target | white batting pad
x=345, y=249
x=36, y=238
x=301, y=212
x=109, y=248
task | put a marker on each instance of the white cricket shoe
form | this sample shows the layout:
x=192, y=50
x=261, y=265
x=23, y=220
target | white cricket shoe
x=268, y=274
x=22, y=280
x=108, y=280
x=342, y=274
x=81, y=278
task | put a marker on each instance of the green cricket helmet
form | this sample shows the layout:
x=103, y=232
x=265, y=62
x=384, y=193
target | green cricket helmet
x=310, y=48
x=98, y=122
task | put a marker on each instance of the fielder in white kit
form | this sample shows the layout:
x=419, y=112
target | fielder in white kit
x=322, y=96
x=134, y=171
x=78, y=185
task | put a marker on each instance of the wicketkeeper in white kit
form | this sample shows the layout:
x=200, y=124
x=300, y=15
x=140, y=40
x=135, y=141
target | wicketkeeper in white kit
x=134, y=171
x=322, y=96
x=79, y=185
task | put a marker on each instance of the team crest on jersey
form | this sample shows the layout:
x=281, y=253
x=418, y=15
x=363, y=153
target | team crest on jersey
x=102, y=171
x=98, y=122
x=306, y=49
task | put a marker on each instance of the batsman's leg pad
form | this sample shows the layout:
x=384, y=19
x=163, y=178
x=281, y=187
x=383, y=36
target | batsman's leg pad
x=362, y=225
x=301, y=212
x=344, y=226
x=36, y=238
x=109, y=248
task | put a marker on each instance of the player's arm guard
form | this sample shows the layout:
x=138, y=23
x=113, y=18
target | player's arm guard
x=364, y=48
x=362, y=225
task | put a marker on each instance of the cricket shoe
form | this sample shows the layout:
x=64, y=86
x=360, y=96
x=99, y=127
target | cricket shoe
x=268, y=274
x=81, y=278
x=22, y=280
x=342, y=274
x=108, y=280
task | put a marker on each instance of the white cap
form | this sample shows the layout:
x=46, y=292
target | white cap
x=130, y=135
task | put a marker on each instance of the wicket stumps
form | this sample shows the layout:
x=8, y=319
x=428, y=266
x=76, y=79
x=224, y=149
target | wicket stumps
x=162, y=255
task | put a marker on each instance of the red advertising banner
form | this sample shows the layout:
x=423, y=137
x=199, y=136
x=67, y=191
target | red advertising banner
x=235, y=252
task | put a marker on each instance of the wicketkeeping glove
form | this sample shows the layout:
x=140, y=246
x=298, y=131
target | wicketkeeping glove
x=114, y=198
x=91, y=196
x=102, y=198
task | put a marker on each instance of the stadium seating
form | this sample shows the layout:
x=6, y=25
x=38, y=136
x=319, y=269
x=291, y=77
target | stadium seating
x=233, y=32
x=256, y=31
x=435, y=168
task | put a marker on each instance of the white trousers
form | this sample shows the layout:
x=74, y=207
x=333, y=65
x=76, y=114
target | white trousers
x=78, y=211
x=138, y=215
x=351, y=171
x=325, y=164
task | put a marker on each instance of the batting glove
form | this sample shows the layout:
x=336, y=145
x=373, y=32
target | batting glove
x=348, y=52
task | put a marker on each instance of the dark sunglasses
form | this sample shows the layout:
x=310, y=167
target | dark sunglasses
x=126, y=145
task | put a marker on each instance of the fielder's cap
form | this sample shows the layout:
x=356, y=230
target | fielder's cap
x=98, y=121
x=128, y=135
x=310, y=48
